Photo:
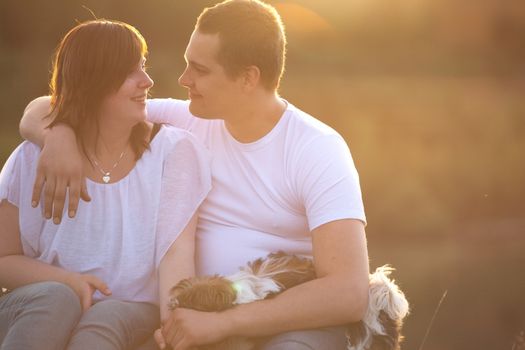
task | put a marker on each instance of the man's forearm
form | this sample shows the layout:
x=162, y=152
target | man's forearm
x=338, y=296
x=319, y=303
x=33, y=124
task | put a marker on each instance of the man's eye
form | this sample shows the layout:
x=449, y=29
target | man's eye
x=197, y=69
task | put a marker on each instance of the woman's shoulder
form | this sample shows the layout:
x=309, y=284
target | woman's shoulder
x=19, y=167
x=170, y=136
x=179, y=145
x=26, y=152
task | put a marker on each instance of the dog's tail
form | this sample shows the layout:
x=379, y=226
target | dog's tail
x=387, y=307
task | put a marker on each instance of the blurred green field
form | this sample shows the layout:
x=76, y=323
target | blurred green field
x=429, y=96
x=442, y=169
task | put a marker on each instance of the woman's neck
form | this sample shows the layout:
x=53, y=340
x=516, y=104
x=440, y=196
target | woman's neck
x=108, y=141
x=109, y=154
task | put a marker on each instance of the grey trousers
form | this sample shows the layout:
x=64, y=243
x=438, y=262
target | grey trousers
x=48, y=315
x=331, y=338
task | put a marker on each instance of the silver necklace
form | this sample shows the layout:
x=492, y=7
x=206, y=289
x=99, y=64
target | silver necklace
x=106, y=175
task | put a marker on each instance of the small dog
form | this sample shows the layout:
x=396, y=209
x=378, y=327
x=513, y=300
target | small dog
x=380, y=329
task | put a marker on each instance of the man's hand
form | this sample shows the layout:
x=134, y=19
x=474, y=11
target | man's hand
x=84, y=286
x=59, y=168
x=186, y=328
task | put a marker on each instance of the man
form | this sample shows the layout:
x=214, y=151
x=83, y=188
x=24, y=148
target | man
x=282, y=180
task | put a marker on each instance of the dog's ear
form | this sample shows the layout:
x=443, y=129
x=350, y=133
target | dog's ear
x=300, y=270
x=255, y=266
x=285, y=269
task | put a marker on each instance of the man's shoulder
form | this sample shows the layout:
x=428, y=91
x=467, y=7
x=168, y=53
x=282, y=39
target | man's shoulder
x=302, y=119
x=306, y=128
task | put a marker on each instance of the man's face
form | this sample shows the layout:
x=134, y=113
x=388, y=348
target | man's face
x=213, y=94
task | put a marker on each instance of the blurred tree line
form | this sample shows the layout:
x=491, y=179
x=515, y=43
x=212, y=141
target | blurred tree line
x=429, y=96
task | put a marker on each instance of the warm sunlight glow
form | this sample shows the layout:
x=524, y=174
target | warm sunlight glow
x=237, y=287
x=302, y=20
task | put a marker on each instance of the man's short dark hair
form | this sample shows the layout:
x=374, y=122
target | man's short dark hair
x=251, y=33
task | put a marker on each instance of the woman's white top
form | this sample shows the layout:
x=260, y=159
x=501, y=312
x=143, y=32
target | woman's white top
x=123, y=233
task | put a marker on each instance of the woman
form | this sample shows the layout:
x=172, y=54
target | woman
x=95, y=281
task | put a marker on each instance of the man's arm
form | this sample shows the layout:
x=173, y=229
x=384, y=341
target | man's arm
x=339, y=295
x=60, y=163
x=33, y=125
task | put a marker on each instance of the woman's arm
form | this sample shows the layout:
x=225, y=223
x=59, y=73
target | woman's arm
x=177, y=264
x=17, y=270
x=186, y=182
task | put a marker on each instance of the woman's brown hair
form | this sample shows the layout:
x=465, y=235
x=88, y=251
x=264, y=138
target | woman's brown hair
x=91, y=62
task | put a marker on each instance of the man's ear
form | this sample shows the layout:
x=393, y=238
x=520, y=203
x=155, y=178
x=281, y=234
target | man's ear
x=251, y=77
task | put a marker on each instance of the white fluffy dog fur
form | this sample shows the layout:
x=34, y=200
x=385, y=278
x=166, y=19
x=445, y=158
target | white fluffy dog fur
x=380, y=329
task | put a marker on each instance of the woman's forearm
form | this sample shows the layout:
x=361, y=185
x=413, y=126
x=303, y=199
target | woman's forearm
x=19, y=270
x=177, y=264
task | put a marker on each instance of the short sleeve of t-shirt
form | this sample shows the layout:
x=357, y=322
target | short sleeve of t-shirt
x=328, y=182
x=12, y=171
x=186, y=180
x=16, y=185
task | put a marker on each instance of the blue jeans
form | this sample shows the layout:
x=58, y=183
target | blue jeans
x=47, y=315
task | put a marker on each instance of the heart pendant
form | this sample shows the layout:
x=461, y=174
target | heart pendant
x=106, y=178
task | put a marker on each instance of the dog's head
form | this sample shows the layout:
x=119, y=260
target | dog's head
x=211, y=293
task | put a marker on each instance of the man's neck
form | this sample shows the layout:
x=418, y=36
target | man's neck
x=257, y=118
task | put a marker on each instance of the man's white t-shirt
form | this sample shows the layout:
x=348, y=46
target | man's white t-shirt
x=270, y=194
